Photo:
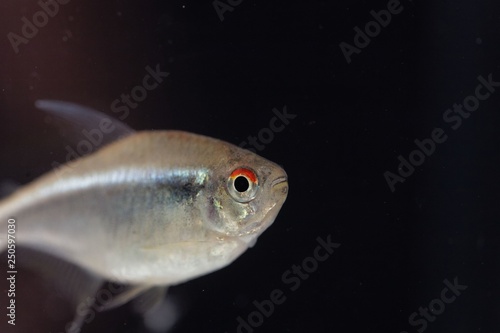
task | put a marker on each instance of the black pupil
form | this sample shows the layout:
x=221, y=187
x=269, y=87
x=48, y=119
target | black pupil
x=241, y=184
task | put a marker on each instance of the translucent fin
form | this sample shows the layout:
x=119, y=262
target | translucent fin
x=70, y=280
x=7, y=187
x=84, y=291
x=73, y=284
x=150, y=299
x=3, y=236
x=124, y=297
x=88, y=123
x=162, y=317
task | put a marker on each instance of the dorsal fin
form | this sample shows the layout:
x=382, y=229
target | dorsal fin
x=87, y=122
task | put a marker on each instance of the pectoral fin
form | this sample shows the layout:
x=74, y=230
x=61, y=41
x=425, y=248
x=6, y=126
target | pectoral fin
x=125, y=296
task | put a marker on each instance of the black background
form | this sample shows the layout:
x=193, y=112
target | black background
x=353, y=121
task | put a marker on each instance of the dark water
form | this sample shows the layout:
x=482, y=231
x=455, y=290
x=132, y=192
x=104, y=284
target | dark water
x=415, y=256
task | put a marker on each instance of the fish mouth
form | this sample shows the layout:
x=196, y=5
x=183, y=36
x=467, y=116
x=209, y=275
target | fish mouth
x=279, y=187
x=279, y=191
x=279, y=180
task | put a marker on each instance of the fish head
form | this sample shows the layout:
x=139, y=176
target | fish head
x=247, y=195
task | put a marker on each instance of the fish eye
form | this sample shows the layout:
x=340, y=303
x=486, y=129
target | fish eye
x=242, y=185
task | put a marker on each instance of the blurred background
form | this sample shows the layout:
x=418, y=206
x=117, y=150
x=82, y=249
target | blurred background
x=360, y=81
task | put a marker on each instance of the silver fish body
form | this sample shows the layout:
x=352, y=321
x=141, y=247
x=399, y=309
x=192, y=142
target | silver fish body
x=154, y=208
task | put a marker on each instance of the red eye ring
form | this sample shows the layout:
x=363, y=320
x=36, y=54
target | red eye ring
x=242, y=185
x=249, y=174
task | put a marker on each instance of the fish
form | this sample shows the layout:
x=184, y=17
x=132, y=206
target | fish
x=150, y=209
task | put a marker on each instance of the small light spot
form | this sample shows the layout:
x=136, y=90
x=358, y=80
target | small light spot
x=478, y=41
x=68, y=33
